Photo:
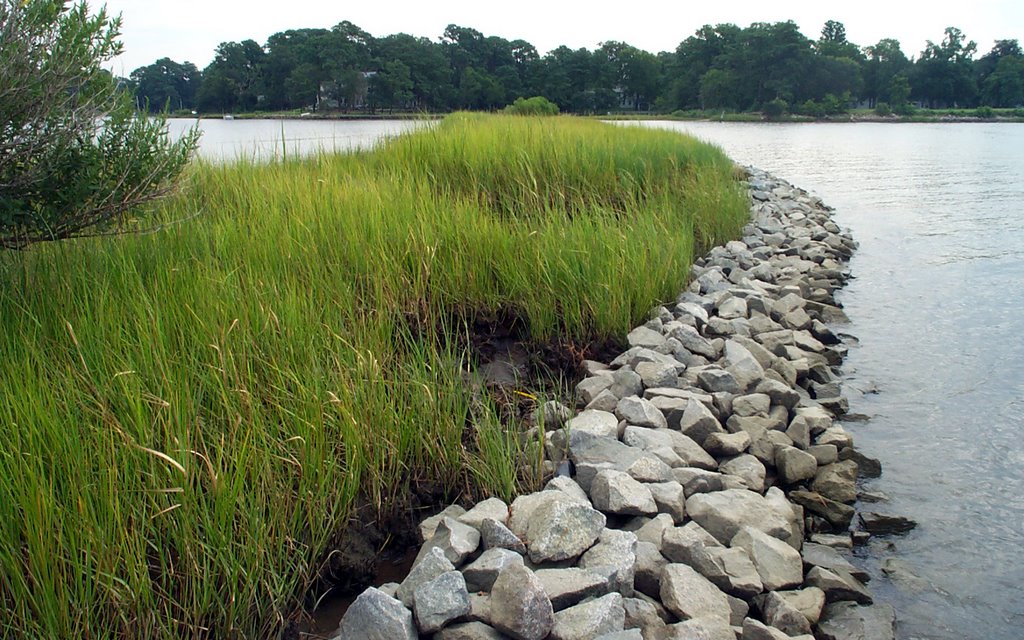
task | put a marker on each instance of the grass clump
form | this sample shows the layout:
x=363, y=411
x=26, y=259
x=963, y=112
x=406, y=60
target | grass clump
x=191, y=417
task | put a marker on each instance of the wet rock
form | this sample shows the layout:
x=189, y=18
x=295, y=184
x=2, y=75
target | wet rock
x=613, y=556
x=724, y=513
x=468, y=631
x=688, y=594
x=431, y=565
x=495, y=535
x=519, y=606
x=836, y=541
x=455, y=539
x=848, y=621
x=838, y=585
x=597, y=423
x=482, y=572
x=809, y=601
x=837, y=481
x=561, y=529
x=616, y=492
x=748, y=469
x=782, y=615
x=838, y=514
x=795, y=465
x=375, y=616
x=778, y=564
x=566, y=587
x=438, y=602
x=640, y=412
x=493, y=508
x=867, y=467
x=880, y=524
x=590, y=619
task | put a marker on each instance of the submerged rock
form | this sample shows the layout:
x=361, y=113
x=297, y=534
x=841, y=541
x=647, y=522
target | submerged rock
x=848, y=621
x=880, y=524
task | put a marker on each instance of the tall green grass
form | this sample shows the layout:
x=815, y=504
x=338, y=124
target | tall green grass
x=189, y=418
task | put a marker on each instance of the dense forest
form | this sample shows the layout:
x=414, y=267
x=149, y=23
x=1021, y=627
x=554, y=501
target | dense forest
x=767, y=66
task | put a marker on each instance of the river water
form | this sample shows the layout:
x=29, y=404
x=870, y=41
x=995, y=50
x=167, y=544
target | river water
x=937, y=304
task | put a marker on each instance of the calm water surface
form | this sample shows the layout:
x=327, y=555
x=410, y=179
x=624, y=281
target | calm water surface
x=938, y=307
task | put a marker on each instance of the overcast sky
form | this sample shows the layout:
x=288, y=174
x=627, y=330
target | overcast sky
x=191, y=29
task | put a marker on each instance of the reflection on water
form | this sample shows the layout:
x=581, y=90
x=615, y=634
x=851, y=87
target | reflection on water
x=937, y=304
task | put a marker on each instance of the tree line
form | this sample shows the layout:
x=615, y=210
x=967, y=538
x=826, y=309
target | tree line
x=765, y=66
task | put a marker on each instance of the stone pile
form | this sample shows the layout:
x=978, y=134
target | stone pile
x=710, y=495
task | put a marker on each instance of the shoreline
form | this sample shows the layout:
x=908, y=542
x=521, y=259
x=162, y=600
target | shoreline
x=712, y=489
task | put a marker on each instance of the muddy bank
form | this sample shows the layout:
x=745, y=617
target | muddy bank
x=711, y=490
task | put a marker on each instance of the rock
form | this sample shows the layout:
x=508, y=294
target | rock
x=441, y=600
x=646, y=615
x=838, y=514
x=566, y=587
x=389, y=589
x=429, y=525
x=598, y=423
x=783, y=616
x=562, y=529
x=727, y=444
x=703, y=628
x=692, y=341
x=680, y=544
x=616, y=492
x=589, y=388
x=724, y=513
x=605, y=401
x=482, y=572
x=835, y=436
x=836, y=541
x=778, y=564
x=731, y=308
x=728, y=569
x=626, y=634
x=613, y=556
x=493, y=508
x=793, y=514
x=824, y=453
x=519, y=606
x=748, y=469
x=867, y=467
x=689, y=452
x=626, y=383
x=715, y=379
x=468, y=631
x=799, y=431
x=590, y=619
x=591, y=454
x=648, y=468
x=753, y=404
x=568, y=486
x=795, y=465
x=757, y=630
x=657, y=374
x=837, y=481
x=848, y=621
x=648, y=568
x=697, y=422
x=743, y=366
x=670, y=497
x=688, y=594
x=880, y=524
x=738, y=610
x=496, y=535
x=809, y=601
x=455, y=539
x=431, y=565
x=644, y=337
x=650, y=529
x=640, y=412
x=838, y=585
x=779, y=392
x=817, y=555
x=375, y=616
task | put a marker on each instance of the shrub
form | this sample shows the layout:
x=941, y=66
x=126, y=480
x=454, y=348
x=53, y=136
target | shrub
x=775, y=108
x=535, y=106
x=883, y=109
x=984, y=112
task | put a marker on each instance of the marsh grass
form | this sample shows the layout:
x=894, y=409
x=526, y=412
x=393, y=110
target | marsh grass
x=190, y=417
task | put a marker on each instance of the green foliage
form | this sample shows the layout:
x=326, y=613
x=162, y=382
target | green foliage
x=74, y=158
x=986, y=113
x=883, y=109
x=192, y=416
x=774, y=109
x=535, y=106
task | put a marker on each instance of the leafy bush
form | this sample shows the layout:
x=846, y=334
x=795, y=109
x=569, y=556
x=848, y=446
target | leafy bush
x=535, y=106
x=775, y=108
x=984, y=112
x=883, y=109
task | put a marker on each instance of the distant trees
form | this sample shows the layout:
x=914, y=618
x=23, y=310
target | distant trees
x=718, y=67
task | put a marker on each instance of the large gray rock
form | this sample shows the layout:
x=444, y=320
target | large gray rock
x=837, y=481
x=670, y=497
x=688, y=594
x=589, y=388
x=848, y=621
x=818, y=555
x=742, y=364
x=794, y=465
x=688, y=451
x=626, y=383
x=429, y=525
x=748, y=469
x=468, y=631
x=376, y=616
x=779, y=392
x=644, y=337
x=592, y=454
x=648, y=468
x=778, y=564
x=519, y=606
x=613, y=556
x=692, y=341
x=838, y=585
x=809, y=601
x=697, y=422
x=590, y=619
x=648, y=568
x=681, y=544
x=495, y=535
x=782, y=615
x=482, y=572
x=440, y=601
x=566, y=587
x=838, y=514
x=724, y=513
x=716, y=379
x=658, y=374
x=560, y=529
x=625, y=634
x=429, y=566
x=616, y=492
x=647, y=615
x=568, y=486
x=598, y=423
x=455, y=539
x=757, y=630
x=493, y=508
x=702, y=628
x=728, y=569
x=641, y=412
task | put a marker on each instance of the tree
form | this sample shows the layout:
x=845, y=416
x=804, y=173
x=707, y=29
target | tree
x=74, y=157
x=833, y=42
x=886, y=60
x=166, y=84
x=943, y=75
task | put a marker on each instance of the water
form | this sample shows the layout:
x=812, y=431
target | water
x=937, y=304
x=262, y=139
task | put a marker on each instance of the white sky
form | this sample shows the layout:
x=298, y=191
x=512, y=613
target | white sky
x=191, y=29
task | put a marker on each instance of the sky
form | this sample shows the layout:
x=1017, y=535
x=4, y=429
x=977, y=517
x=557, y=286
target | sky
x=191, y=29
